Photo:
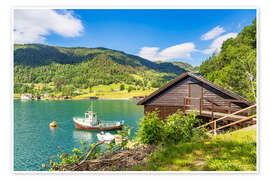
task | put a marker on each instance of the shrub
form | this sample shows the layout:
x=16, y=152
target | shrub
x=76, y=156
x=150, y=128
x=180, y=127
x=125, y=137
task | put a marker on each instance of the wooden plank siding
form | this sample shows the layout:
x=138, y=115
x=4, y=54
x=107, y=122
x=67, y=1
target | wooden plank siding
x=164, y=111
x=172, y=99
x=173, y=96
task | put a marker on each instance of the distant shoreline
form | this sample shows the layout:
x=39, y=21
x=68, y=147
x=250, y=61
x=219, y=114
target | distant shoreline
x=124, y=99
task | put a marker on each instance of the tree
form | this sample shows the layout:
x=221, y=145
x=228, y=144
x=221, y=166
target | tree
x=235, y=66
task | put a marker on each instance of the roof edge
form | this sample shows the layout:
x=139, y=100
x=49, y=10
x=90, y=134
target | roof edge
x=201, y=79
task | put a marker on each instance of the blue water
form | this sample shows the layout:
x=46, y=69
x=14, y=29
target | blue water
x=35, y=142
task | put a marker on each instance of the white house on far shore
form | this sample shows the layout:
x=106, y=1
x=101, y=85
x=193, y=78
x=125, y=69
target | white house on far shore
x=26, y=97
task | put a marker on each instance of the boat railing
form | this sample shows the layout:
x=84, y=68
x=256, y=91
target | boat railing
x=109, y=123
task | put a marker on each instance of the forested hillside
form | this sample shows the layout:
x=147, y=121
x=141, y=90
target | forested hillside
x=235, y=66
x=78, y=67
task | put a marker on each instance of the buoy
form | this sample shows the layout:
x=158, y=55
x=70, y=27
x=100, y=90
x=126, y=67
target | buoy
x=43, y=166
x=53, y=124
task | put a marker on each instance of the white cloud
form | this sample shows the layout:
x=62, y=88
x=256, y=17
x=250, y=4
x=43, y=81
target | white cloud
x=216, y=45
x=149, y=53
x=213, y=33
x=31, y=26
x=180, y=51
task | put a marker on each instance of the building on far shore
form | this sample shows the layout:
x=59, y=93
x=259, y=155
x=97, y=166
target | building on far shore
x=26, y=97
x=192, y=92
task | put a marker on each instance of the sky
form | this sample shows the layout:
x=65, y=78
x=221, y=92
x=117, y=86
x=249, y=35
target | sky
x=187, y=35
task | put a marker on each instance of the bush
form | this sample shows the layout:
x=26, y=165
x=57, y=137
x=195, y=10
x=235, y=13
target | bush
x=150, y=129
x=125, y=137
x=76, y=156
x=180, y=127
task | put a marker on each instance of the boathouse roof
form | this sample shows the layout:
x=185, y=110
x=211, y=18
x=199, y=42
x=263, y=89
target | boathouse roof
x=199, y=78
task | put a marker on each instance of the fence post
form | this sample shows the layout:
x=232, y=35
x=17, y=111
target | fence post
x=200, y=106
x=215, y=127
x=230, y=107
x=212, y=109
x=184, y=105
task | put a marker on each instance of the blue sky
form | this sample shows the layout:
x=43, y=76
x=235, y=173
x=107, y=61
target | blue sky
x=168, y=35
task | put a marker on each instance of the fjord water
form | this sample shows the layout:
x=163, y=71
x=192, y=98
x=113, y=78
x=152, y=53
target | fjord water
x=35, y=142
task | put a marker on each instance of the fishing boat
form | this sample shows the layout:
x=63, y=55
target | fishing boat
x=90, y=122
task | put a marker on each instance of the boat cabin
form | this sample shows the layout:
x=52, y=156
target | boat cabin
x=90, y=118
x=190, y=92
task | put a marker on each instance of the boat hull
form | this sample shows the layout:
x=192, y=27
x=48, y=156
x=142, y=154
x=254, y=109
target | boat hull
x=91, y=128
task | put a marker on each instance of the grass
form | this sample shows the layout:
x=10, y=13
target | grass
x=115, y=95
x=225, y=152
x=111, y=91
x=16, y=96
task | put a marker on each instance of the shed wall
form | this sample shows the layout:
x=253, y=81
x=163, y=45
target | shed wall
x=164, y=111
x=174, y=97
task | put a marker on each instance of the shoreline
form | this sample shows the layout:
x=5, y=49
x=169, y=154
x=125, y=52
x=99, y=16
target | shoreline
x=124, y=99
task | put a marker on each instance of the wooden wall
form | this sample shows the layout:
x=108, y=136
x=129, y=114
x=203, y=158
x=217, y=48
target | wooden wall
x=164, y=111
x=219, y=100
x=173, y=98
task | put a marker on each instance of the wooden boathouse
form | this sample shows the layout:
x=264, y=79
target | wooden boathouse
x=190, y=92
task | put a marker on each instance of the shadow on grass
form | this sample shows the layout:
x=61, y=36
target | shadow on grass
x=228, y=152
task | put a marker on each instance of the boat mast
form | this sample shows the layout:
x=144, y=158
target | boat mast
x=92, y=106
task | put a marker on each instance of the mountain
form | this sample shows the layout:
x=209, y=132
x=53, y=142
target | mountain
x=86, y=67
x=180, y=64
x=39, y=55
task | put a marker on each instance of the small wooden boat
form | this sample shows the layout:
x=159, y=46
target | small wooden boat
x=90, y=122
x=105, y=137
x=93, y=97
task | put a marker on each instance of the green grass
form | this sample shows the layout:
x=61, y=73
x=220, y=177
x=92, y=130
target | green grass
x=111, y=91
x=226, y=152
x=16, y=96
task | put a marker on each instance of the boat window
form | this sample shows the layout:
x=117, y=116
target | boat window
x=86, y=116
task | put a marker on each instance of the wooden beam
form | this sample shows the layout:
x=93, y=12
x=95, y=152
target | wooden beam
x=236, y=122
x=226, y=100
x=230, y=107
x=201, y=97
x=201, y=106
x=212, y=109
x=184, y=105
x=228, y=115
x=189, y=93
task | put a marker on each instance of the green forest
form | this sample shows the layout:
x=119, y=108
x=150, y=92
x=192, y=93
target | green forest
x=235, y=66
x=67, y=69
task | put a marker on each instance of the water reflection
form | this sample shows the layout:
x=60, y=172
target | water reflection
x=86, y=135
x=52, y=129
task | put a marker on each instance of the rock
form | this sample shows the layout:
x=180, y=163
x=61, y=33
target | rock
x=53, y=124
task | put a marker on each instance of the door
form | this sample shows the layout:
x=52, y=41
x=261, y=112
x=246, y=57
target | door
x=195, y=93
